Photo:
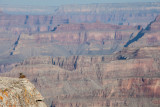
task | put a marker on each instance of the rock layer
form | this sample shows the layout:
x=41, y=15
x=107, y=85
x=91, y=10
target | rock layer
x=77, y=30
x=127, y=78
x=75, y=39
x=119, y=14
x=148, y=36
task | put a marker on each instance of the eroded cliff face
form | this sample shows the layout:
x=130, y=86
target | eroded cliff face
x=148, y=36
x=16, y=92
x=75, y=39
x=126, y=13
x=127, y=78
x=70, y=30
x=120, y=14
x=18, y=24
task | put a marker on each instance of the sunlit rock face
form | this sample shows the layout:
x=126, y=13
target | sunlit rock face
x=16, y=92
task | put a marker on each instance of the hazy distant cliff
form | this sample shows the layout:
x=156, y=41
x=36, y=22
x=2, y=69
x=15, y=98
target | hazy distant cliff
x=75, y=39
x=122, y=14
x=85, y=26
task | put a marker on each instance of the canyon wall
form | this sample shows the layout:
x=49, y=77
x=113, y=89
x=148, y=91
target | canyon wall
x=74, y=30
x=75, y=39
x=148, y=36
x=79, y=60
x=120, y=14
x=127, y=78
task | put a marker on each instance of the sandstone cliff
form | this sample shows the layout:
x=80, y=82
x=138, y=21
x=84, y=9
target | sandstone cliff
x=16, y=92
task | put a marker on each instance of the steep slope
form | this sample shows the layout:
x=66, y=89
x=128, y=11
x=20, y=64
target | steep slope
x=19, y=92
x=128, y=78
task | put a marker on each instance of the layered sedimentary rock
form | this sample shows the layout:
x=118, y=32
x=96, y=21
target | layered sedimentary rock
x=18, y=24
x=128, y=78
x=75, y=39
x=15, y=92
x=119, y=14
x=7, y=67
x=70, y=30
x=66, y=40
x=129, y=13
x=148, y=36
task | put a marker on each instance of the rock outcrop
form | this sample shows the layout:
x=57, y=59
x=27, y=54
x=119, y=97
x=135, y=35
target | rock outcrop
x=15, y=92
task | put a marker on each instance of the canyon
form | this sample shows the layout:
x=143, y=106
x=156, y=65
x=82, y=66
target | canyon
x=98, y=55
x=95, y=29
x=96, y=80
x=75, y=39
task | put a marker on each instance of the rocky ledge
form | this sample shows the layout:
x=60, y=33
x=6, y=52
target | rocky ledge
x=19, y=92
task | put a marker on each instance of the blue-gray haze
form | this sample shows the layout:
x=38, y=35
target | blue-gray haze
x=63, y=2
